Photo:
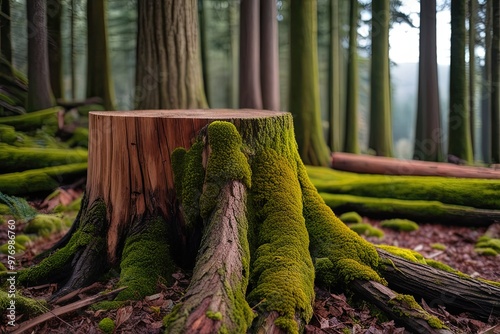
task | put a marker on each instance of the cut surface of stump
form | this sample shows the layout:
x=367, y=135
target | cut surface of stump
x=221, y=192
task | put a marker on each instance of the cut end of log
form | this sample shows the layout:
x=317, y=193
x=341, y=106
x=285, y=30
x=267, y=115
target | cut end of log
x=211, y=114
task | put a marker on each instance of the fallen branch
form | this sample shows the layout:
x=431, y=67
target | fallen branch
x=58, y=311
x=51, y=117
x=357, y=163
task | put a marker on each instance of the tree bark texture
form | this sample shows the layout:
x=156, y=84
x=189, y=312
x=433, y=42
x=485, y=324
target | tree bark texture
x=227, y=187
x=472, y=6
x=495, y=83
x=334, y=80
x=367, y=164
x=54, y=15
x=380, y=138
x=39, y=90
x=428, y=134
x=485, y=89
x=99, y=79
x=168, y=71
x=5, y=41
x=269, y=55
x=304, y=100
x=459, y=137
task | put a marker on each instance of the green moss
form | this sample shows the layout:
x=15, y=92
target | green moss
x=486, y=251
x=366, y=229
x=107, y=325
x=438, y=246
x=172, y=316
x=351, y=218
x=51, y=267
x=282, y=272
x=440, y=265
x=226, y=162
x=477, y=193
x=490, y=243
x=43, y=225
x=46, y=118
x=24, y=305
x=402, y=225
x=80, y=138
x=405, y=253
x=4, y=209
x=145, y=260
x=352, y=256
x=85, y=109
x=408, y=301
x=214, y=315
x=17, y=246
x=2, y=267
x=18, y=207
x=325, y=271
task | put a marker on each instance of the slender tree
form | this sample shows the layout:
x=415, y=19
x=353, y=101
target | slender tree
x=233, y=20
x=269, y=56
x=250, y=85
x=351, y=128
x=168, y=72
x=380, y=139
x=428, y=134
x=72, y=49
x=304, y=84
x=39, y=90
x=495, y=83
x=202, y=15
x=54, y=15
x=486, y=96
x=472, y=67
x=459, y=138
x=99, y=79
x=334, y=80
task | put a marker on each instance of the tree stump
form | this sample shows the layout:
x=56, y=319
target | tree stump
x=220, y=191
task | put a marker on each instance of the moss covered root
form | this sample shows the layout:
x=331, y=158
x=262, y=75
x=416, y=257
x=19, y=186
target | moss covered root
x=282, y=273
x=145, y=260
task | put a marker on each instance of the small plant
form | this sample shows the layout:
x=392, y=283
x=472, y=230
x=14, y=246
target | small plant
x=18, y=207
x=367, y=230
x=438, y=246
x=402, y=225
x=351, y=218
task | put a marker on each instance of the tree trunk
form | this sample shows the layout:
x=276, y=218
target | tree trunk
x=428, y=134
x=380, y=139
x=368, y=164
x=495, y=83
x=54, y=15
x=5, y=41
x=351, y=128
x=99, y=79
x=266, y=235
x=334, y=81
x=269, y=56
x=485, y=89
x=472, y=69
x=459, y=139
x=233, y=19
x=39, y=91
x=204, y=59
x=250, y=85
x=168, y=71
x=304, y=102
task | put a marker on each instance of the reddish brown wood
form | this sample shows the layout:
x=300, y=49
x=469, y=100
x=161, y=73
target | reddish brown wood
x=390, y=166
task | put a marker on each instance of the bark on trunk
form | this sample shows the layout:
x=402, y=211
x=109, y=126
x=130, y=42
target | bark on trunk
x=390, y=166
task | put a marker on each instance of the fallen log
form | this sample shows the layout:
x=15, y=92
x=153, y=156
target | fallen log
x=419, y=211
x=458, y=293
x=368, y=164
x=477, y=193
x=18, y=159
x=51, y=119
x=41, y=180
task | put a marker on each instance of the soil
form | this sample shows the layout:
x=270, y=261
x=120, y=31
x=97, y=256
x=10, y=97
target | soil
x=334, y=312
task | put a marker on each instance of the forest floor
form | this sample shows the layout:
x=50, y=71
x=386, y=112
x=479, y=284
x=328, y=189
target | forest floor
x=334, y=312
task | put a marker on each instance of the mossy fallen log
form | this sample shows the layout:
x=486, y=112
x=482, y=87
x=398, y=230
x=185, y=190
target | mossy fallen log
x=477, y=193
x=47, y=118
x=18, y=159
x=420, y=211
x=41, y=180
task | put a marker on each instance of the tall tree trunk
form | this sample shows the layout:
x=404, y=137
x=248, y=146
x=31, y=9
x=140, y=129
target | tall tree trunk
x=495, y=84
x=380, y=139
x=485, y=89
x=351, y=128
x=202, y=15
x=99, y=79
x=472, y=69
x=39, y=90
x=428, y=134
x=269, y=55
x=5, y=38
x=168, y=71
x=73, y=49
x=459, y=138
x=250, y=85
x=233, y=53
x=304, y=83
x=334, y=80
x=54, y=15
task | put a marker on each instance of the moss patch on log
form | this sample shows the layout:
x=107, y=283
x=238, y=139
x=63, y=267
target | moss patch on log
x=402, y=225
x=351, y=218
x=366, y=230
x=46, y=118
x=23, y=304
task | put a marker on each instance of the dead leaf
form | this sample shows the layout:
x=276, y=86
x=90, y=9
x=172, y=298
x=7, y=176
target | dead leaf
x=123, y=314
